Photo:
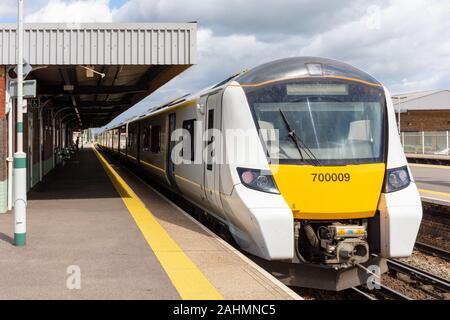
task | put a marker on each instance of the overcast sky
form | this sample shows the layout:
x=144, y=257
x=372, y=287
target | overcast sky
x=404, y=44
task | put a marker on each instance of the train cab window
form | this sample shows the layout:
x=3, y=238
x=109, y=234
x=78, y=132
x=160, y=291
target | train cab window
x=155, y=143
x=189, y=150
x=337, y=122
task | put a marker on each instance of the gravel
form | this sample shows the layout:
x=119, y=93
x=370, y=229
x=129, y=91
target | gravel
x=429, y=263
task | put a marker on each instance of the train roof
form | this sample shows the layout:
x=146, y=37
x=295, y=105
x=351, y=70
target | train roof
x=288, y=68
x=303, y=67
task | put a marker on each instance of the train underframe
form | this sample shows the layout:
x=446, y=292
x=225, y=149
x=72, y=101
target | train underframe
x=327, y=256
x=332, y=255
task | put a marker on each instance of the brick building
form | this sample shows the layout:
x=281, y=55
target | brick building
x=423, y=111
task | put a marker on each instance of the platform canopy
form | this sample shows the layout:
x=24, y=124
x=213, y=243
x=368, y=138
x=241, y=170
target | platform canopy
x=131, y=60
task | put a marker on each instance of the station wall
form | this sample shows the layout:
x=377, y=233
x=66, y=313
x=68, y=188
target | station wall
x=31, y=143
x=3, y=143
x=431, y=120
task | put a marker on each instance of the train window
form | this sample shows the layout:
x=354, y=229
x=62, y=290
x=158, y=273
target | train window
x=210, y=139
x=337, y=122
x=132, y=136
x=189, y=150
x=146, y=139
x=155, y=143
x=210, y=119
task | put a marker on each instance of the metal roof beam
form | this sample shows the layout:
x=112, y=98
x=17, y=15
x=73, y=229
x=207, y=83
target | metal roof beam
x=100, y=110
x=91, y=90
x=93, y=104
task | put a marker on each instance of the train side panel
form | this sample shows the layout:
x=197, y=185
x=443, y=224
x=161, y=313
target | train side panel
x=262, y=223
x=400, y=211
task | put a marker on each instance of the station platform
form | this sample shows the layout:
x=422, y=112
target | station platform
x=127, y=241
x=427, y=156
x=433, y=182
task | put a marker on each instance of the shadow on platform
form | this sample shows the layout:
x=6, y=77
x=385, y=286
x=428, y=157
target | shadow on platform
x=82, y=177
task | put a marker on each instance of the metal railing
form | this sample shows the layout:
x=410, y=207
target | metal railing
x=426, y=142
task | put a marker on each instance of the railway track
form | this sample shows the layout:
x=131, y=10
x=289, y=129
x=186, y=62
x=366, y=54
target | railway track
x=432, y=250
x=433, y=210
x=382, y=293
x=420, y=275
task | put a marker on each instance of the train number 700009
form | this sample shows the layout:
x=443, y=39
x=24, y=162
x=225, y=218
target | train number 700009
x=331, y=177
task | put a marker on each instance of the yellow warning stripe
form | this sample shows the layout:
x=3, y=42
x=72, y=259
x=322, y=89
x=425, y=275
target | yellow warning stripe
x=187, y=279
x=428, y=166
x=439, y=193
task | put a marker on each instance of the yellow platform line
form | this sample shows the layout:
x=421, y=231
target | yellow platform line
x=439, y=193
x=421, y=165
x=187, y=279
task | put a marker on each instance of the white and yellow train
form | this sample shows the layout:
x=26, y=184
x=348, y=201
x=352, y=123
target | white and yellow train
x=300, y=158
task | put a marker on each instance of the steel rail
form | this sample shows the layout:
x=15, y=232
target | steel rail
x=357, y=291
x=432, y=250
x=382, y=292
x=419, y=274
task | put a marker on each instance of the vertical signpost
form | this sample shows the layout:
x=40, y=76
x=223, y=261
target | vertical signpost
x=20, y=158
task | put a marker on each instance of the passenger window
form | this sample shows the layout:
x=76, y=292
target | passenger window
x=155, y=143
x=210, y=119
x=189, y=151
x=210, y=139
x=146, y=139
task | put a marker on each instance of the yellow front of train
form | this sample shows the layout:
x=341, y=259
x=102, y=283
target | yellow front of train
x=323, y=126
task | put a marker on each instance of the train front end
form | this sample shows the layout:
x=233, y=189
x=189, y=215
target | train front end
x=329, y=135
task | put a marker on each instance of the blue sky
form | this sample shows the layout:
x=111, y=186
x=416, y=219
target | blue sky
x=116, y=3
x=404, y=44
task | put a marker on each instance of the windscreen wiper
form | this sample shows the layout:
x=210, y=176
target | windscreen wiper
x=298, y=142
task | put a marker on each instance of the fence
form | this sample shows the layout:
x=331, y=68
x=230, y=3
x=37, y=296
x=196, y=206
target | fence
x=426, y=142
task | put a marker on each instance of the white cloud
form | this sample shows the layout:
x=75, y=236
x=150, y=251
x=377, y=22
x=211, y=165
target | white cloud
x=72, y=11
x=405, y=45
x=410, y=51
x=411, y=40
x=256, y=17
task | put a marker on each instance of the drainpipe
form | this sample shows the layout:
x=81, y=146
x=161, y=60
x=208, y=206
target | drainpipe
x=9, y=159
x=53, y=139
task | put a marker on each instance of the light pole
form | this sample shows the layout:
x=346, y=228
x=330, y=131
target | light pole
x=20, y=157
x=398, y=109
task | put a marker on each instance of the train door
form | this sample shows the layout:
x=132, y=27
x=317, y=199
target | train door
x=212, y=158
x=170, y=144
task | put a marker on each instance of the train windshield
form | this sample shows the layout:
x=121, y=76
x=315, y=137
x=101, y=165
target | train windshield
x=321, y=122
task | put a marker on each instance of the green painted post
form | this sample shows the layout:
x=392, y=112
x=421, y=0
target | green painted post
x=20, y=158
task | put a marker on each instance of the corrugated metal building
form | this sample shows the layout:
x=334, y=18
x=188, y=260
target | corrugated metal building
x=102, y=44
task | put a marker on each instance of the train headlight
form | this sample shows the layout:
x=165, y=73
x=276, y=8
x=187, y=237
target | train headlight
x=258, y=179
x=397, y=179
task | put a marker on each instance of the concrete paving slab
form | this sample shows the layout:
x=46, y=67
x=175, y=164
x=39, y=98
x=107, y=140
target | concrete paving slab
x=234, y=275
x=75, y=217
